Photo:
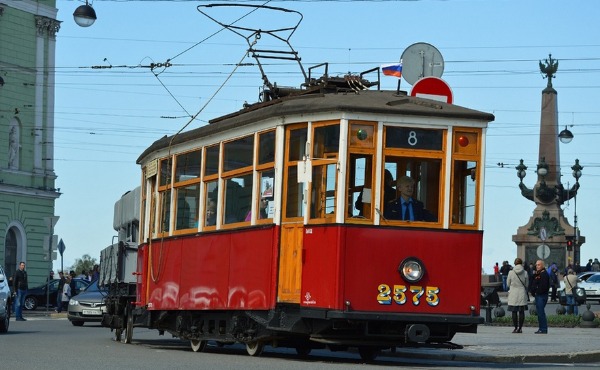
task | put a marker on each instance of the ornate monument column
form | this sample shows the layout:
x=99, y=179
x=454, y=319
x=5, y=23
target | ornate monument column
x=548, y=232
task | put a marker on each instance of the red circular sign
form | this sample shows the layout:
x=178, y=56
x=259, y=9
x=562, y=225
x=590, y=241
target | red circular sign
x=432, y=88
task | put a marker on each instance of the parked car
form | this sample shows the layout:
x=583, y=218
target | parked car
x=5, y=301
x=592, y=287
x=37, y=296
x=581, y=277
x=87, y=306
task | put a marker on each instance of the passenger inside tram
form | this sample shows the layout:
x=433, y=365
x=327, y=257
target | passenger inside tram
x=389, y=193
x=406, y=207
x=211, y=213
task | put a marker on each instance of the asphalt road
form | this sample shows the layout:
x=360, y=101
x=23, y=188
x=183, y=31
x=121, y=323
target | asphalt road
x=49, y=342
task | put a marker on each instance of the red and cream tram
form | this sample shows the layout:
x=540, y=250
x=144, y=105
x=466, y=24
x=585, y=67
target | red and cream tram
x=250, y=231
x=282, y=224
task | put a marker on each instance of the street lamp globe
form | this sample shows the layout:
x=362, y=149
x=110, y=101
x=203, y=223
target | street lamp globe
x=565, y=136
x=84, y=15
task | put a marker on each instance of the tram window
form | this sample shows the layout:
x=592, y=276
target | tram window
x=165, y=211
x=322, y=197
x=360, y=190
x=212, y=160
x=266, y=205
x=188, y=166
x=165, y=172
x=266, y=147
x=464, y=192
x=238, y=153
x=297, y=144
x=188, y=199
x=210, y=203
x=238, y=199
x=294, y=194
x=426, y=175
x=326, y=140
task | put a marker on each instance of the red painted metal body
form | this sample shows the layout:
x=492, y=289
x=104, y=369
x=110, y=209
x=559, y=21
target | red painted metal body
x=347, y=264
x=343, y=269
x=213, y=271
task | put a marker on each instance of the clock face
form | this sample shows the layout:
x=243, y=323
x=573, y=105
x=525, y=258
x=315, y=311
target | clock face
x=543, y=251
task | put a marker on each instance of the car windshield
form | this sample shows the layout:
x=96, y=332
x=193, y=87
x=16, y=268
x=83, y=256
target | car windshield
x=93, y=287
x=594, y=279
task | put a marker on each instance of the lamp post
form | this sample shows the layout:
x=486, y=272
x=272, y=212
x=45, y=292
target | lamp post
x=84, y=15
x=576, y=174
x=548, y=224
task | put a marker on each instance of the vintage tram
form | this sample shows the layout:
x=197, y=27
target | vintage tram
x=280, y=224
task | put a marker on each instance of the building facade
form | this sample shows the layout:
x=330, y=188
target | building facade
x=27, y=179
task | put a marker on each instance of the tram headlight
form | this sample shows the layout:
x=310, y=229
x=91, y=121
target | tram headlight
x=412, y=269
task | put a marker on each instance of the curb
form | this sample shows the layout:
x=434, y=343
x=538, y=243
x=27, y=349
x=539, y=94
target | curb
x=564, y=358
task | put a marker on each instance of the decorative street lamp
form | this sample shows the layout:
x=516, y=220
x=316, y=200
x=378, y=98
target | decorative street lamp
x=576, y=174
x=85, y=15
x=565, y=136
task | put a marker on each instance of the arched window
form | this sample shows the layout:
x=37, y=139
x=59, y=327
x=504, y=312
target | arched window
x=10, y=251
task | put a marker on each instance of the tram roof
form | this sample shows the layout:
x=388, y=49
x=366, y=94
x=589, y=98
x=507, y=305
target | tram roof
x=384, y=102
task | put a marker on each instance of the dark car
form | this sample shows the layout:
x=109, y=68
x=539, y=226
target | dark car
x=87, y=306
x=5, y=301
x=37, y=296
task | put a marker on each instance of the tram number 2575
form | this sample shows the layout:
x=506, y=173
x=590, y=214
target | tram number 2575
x=399, y=294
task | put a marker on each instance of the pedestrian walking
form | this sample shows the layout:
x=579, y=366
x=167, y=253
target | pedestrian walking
x=570, y=284
x=518, y=297
x=20, y=287
x=59, y=291
x=540, y=285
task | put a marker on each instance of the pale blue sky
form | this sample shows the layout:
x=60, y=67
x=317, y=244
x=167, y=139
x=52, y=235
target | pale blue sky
x=106, y=117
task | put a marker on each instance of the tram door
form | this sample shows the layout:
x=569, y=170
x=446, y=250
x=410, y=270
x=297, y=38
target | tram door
x=292, y=223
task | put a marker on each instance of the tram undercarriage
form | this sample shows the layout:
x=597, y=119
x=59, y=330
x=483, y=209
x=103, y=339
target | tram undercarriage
x=287, y=326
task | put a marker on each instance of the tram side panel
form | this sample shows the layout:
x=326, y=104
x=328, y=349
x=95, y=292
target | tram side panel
x=356, y=269
x=212, y=271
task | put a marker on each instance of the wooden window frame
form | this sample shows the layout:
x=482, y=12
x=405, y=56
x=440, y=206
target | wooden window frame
x=472, y=153
x=366, y=151
x=421, y=154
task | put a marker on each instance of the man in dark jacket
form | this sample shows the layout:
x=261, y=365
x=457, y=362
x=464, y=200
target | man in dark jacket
x=20, y=287
x=406, y=207
x=540, y=285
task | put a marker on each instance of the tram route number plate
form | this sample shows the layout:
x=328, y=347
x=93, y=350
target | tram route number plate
x=401, y=294
x=92, y=312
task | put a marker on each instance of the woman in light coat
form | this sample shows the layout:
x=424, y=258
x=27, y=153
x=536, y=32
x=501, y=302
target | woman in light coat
x=518, y=282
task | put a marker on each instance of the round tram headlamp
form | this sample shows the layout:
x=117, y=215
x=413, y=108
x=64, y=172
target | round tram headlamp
x=412, y=269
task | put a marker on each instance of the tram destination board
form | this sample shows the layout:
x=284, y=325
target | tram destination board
x=413, y=138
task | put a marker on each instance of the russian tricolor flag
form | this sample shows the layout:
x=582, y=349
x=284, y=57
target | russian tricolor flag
x=392, y=70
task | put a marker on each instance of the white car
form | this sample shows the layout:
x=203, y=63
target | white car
x=581, y=277
x=592, y=287
x=5, y=302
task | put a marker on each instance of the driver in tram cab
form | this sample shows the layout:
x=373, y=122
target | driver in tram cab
x=406, y=207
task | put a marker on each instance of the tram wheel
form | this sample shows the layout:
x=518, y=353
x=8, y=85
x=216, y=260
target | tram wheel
x=198, y=345
x=127, y=335
x=255, y=348
x=368, y=354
